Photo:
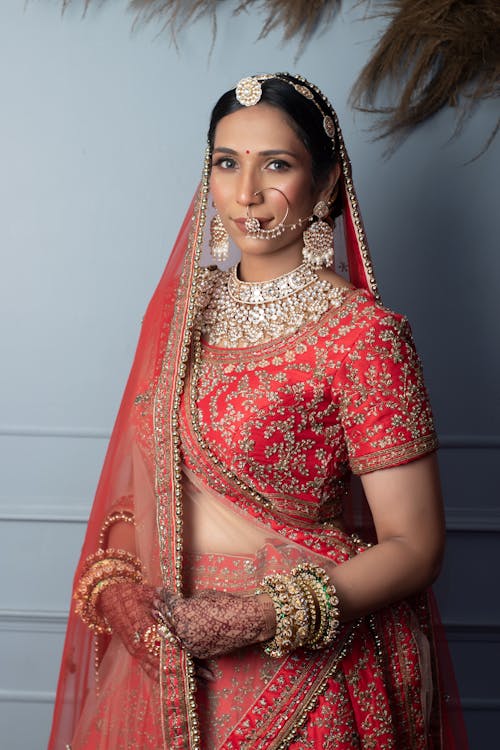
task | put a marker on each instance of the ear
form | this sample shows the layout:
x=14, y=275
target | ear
x=328, y=187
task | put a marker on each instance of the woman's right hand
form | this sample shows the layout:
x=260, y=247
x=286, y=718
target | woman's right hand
x=127, y=608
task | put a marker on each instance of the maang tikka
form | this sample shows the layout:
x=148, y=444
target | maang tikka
x=219, y=239
x=318, y=239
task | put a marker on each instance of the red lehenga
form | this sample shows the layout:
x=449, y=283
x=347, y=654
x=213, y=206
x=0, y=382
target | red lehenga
x=237, y=463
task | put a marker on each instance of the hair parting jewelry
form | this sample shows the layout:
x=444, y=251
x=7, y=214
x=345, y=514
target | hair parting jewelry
x=248, y=92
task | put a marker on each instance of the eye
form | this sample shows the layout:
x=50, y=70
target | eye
x=277, y=165
x=225, y=162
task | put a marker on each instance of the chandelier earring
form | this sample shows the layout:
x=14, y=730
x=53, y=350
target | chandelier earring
x=219, y=239
x=318, y=238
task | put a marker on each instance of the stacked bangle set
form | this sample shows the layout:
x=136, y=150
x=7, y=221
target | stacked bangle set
x=101, y=570
x=307, y=609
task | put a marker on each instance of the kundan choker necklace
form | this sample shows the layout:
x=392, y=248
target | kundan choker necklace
x=257, y=292
x=239, y=314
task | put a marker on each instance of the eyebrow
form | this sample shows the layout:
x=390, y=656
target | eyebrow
x=268, y=152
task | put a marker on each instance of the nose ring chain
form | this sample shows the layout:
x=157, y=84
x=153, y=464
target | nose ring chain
x=252, y=224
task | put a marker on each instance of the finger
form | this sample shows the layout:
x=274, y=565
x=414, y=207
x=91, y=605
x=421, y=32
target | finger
x=170, y=599
x=160, y=610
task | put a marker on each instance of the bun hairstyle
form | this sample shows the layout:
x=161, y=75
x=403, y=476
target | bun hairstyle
x=304, y=112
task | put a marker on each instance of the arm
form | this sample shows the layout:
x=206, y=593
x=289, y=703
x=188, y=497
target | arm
x=121, y=535
x=408, y=514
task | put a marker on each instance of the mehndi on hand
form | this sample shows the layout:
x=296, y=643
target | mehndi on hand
x=211, y=623
x=127, y=608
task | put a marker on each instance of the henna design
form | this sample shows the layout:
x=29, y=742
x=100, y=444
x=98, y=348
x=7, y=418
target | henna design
x=211, y=623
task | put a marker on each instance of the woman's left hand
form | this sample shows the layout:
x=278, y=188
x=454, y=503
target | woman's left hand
x=213, y=622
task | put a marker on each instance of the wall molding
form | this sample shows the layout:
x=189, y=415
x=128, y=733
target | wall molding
x=461, y=632
x=35, y=512
x=469, y=442
x=27, y=696
x=446, y=442
x=54, y=432
x=32, y=621
x=480, y=704
x=473, y=519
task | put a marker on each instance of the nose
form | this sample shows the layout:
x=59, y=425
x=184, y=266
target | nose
x=248, y=189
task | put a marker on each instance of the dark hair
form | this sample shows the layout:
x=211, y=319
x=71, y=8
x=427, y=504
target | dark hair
x=303, y=115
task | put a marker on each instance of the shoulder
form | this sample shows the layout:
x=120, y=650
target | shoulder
x=367, y=311
x=361, y=315
x=377, y=340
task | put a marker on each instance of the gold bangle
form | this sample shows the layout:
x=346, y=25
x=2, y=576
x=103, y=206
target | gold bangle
x=281, y=644
x=99, y=571
x=103, y=556
x=87, y=608
x=327, y=600
x=117, y=515
x=319, y=598
x=104, y=569
x=312, y=607
x=292, y=614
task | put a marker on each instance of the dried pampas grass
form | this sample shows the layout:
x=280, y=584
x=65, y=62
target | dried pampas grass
x=438, y=53
x=299, y=18
x=296, y=17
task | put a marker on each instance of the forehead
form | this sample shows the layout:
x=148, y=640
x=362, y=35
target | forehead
x=259, y=128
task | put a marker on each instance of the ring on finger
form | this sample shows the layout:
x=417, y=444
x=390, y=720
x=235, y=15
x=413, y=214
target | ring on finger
x=152, y=640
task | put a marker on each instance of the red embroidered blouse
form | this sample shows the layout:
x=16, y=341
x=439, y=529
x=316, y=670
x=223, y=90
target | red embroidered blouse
x=293, y=417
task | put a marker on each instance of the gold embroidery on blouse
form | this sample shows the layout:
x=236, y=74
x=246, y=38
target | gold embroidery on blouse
x=288, y=418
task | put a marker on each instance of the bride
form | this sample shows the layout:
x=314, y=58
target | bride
x=225, y=597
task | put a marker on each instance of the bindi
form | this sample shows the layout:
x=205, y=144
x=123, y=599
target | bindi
x=247, y=151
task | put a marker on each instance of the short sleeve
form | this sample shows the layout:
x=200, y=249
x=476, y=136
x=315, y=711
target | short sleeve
x=384, y=406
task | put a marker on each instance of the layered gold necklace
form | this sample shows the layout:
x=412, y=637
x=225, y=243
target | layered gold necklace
x=237, y=313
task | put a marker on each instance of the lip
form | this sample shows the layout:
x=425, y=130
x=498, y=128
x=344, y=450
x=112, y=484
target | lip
x=262, y=221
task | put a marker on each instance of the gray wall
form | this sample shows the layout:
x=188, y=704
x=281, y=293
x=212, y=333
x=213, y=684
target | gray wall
x=102, y=133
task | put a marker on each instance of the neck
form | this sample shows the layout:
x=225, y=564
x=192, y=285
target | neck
x=267, y=267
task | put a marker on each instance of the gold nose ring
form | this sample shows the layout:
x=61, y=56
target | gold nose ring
x=252, y=225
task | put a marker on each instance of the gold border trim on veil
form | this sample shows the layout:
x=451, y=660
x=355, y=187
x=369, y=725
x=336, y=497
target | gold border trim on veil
x=179, y=715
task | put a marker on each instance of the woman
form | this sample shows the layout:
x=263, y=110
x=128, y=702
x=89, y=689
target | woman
x=226, y=600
